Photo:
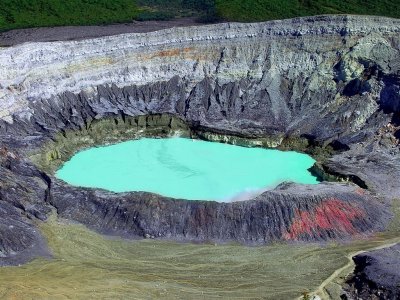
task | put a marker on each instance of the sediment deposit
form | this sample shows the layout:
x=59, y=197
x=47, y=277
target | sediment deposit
x=326, y=85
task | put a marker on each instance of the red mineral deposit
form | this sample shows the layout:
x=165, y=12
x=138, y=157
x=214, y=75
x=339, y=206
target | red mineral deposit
x=331, y=214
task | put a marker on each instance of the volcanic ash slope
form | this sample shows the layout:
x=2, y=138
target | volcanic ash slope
x=331, y=80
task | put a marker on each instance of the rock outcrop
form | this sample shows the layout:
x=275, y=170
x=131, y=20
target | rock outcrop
x=290, y=212
x=376, y=276
x=24, y=192
x=331, y=81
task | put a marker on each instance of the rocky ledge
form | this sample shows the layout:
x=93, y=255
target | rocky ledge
x=376, y=276
x=328, y=85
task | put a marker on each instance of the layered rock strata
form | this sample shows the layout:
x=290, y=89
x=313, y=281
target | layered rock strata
x=331, y=82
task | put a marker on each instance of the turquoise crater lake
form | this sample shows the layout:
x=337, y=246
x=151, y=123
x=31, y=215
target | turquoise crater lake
x=185, y=168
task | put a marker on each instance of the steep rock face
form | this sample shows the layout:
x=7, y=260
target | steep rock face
x=276, y=75
x=226, y=52
x=290, y=212
x=368, y=166
x=23, y=196
x=333, y=80
x=376, y=276
x=326, y=77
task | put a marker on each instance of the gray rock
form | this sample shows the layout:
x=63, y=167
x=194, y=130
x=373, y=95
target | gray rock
x=320, y=213
x=331, y=80
x=376, y=276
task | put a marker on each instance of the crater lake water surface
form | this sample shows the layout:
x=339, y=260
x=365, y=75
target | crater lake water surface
x=185, y=168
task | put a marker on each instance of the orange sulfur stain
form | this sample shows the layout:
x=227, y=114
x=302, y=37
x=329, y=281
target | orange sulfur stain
x=172, y=52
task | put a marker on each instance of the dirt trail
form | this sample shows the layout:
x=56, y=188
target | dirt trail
x=348, y=268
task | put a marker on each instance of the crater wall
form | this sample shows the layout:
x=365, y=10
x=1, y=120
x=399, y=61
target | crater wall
x=333, y=81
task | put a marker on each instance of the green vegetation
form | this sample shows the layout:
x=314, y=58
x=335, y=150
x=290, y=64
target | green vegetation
x=38, y=13
x=262, y=10
x=203, y=10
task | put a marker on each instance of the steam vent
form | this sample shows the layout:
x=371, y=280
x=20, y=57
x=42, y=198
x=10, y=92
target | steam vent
x=327, y=86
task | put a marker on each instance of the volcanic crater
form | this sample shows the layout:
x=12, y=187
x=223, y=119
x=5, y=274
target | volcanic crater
x=328, y=86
